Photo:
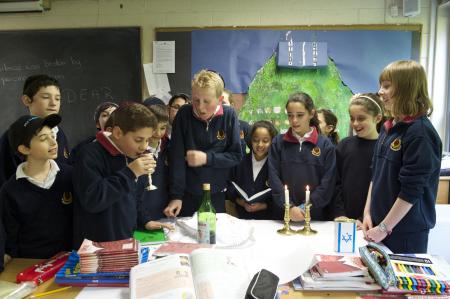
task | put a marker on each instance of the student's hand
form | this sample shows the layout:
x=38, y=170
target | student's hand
x=158, y=225
x=255, y=207
x=6, y=259
x=241, y=202
x=173, y=208
x=296, y=214
x=375, y=235
x=195, y=158
x=367, y=225
x=359, y=224
x=143, y=165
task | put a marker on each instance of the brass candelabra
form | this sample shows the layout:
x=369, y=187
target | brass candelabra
x=307, y=230
x=286, y=230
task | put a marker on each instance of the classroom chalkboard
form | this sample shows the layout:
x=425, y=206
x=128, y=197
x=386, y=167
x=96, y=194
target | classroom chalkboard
x=93, y=65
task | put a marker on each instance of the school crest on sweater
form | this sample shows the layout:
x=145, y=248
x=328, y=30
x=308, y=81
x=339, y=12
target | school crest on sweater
x=221, y=135
x=316, y=151
x=67, y=198
x=396, y=145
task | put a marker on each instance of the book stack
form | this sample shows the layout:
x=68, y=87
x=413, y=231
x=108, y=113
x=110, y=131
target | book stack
x=420, y=274
x=337, y=273
x=70, y=275
x=115, y=256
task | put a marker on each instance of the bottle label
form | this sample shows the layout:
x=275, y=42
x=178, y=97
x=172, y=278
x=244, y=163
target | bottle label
x=203, y=232
x=207, y=228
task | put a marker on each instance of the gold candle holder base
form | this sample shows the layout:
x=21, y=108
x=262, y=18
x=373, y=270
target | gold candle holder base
x=286, y=230
x=307, y=230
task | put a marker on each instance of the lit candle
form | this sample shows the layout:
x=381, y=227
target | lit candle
x=286, y=195
x=307, y=195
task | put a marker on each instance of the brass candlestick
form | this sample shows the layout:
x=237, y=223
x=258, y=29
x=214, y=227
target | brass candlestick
x=286, y=230
x=307, y=230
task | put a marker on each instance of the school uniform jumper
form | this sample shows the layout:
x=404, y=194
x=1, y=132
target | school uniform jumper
x=244, y=132
x=10, y=160
x=296, y=165
x=38, y=221
x=107, y=193
x=406, y=164
x=354, y=172
x=74, y=152
x=2, y=239
x=155, y=201
x=242, y=175
x=219, y=139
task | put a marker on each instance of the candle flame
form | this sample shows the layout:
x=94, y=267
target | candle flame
x=285, y=187
x=307, y=188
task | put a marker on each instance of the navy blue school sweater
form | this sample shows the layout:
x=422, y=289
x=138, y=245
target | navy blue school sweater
x=2, y=240
x=313, y=163
x=155, y=201
x=354, y=172
x=10, y=160
x=242, y=175
x=244, y=134
x=107, y=193
x=406, y=164
x=38, y=221
x=75, y=151
x=218, y=138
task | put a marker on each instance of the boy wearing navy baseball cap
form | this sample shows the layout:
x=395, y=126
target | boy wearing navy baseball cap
x=37, y=200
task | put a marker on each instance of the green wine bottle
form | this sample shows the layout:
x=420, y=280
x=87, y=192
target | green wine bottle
x=206, y=218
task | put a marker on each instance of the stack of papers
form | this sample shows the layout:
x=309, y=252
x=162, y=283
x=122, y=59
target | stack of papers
x=69, y=275
x=337, y=273
x=115, y=256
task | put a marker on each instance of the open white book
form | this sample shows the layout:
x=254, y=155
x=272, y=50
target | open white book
x=204, y=274
x=254, y=198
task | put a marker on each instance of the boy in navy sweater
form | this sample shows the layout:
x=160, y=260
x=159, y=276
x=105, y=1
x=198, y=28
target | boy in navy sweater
x=205, y=144
x=110, y=176
x=154, y=201
x=41, y=95
x=37, y=200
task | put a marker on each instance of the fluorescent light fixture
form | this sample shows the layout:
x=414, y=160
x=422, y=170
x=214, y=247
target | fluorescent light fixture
x=21, y=6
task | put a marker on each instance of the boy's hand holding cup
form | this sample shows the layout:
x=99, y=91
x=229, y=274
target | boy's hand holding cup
x=145, y=164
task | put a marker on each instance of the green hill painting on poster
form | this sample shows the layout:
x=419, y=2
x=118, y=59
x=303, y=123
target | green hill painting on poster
x=271, y=87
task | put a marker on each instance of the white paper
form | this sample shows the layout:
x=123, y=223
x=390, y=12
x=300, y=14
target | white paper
x=169, y=278
x=110, y=293
x=157, y=84
x=164, y=57
x=219, y=274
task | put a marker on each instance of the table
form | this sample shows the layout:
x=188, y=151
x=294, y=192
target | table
x=17, y=265
x=284, y=246
x=443, y=190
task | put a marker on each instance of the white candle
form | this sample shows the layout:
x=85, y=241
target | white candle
x=307, y=195
x=286, y=195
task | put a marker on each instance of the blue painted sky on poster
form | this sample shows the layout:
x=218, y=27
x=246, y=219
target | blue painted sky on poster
x=359, y=55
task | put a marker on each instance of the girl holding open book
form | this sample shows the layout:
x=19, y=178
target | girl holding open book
x=400, y=206
x=248, y=186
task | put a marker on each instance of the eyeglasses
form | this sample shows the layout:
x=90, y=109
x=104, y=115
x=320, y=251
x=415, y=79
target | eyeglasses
x=175, y=107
